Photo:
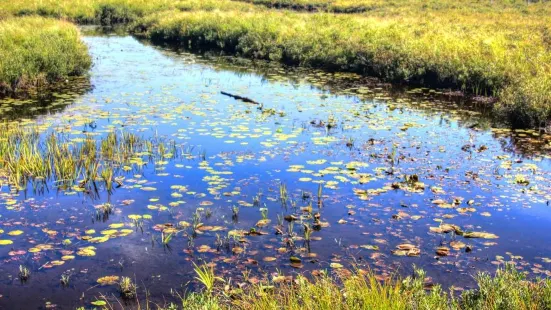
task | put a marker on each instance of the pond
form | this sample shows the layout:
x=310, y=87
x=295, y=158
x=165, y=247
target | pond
x=330, y=171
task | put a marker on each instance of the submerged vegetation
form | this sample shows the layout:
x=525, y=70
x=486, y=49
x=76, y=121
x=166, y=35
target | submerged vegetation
x=36, y=52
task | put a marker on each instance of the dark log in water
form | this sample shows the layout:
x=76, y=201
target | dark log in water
x=237, y=97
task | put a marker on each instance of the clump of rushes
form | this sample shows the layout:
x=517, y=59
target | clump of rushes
x=25, y=157
x=205, y=275
x=107, y=176
x=65, y=278
x=37, y=51
x=24, y=273
x=127, y=288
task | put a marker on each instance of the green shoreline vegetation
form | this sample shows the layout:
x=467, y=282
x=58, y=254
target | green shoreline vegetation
x=508, y=289
x=37, y=51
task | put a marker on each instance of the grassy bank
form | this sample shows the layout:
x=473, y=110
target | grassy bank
x=407, y=7
x=36, y=52
x=87, y=11
x=478, y=55
x=109, y=12
x=507, y=289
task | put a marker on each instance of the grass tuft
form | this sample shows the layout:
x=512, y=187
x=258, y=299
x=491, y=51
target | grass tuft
x=37, y=51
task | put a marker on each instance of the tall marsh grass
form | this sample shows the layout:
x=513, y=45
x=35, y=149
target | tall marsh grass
x=508, y=289
x=36, y=51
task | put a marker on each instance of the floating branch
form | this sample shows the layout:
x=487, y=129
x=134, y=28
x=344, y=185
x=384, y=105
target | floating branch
x=237, y=97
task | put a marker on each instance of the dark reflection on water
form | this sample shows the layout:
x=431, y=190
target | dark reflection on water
x=360, y=139
x=47, y=101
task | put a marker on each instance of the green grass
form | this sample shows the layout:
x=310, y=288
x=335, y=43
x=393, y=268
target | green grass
x=508, y=289
x=407, y=7
x=36, y=52
x=108, y=12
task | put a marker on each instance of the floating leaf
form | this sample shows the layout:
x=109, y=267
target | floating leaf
x=15, y=232
x=442, y=251
x=87, y=251
x=476, y=234
x=370, y=247
x=108, y=280
x=457, y=245
x=109, y=232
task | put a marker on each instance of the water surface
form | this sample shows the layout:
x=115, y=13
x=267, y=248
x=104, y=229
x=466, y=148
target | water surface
x=390, y=165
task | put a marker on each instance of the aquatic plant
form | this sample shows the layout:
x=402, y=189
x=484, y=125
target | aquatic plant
x=24, y=273
x=205, y=275
x=264, y=213
x=166, y=238
x=65, y=278
x=235, y=213
x=107, y=176
x=127, y=288
x=196, y=222
x=283, y=195
x=319, y=193
x=307, y=232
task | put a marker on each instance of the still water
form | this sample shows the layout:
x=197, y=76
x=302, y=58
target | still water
x=378, y=178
